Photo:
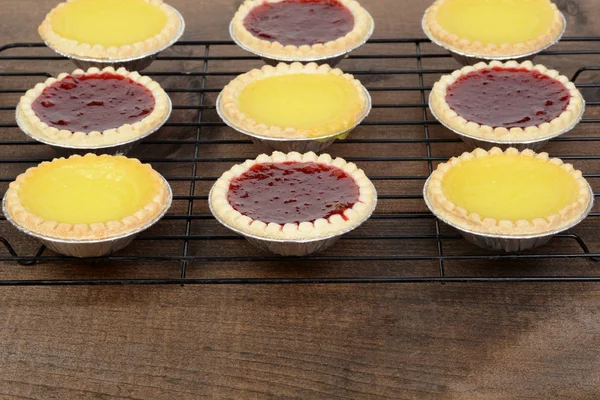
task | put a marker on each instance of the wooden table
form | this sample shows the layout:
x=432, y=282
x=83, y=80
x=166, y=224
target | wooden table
x=400, y=341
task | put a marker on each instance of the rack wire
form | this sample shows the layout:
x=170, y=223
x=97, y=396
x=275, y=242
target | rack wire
x=398, y=145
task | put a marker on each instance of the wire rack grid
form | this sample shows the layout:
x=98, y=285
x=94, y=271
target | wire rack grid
x=398, y=145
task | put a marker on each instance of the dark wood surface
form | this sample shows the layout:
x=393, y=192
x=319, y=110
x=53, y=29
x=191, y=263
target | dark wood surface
x=399, y=341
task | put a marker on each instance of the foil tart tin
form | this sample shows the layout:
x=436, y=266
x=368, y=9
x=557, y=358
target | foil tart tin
x=508, y=243
x=331, y=60
x=90, y=248
x=291, y=247
x=116, y=149
x=301, y=145
x=130, y=64
x=472, y=59
x=486, y=144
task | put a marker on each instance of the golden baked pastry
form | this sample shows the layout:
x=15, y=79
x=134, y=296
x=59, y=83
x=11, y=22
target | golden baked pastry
x=93, y=108
x=87, y=198
x=295, y=30
x=508, y=192
x=111, y=29
x=494, y=28
x=507, y=102
x=293, y=196
x=294, y=101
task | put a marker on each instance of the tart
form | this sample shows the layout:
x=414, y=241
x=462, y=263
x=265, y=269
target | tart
x=111, y=29
x=291, y=197
x=508, y=193
x=93, y=108
x=87, y=198
x=494, y=28
x=294, y=101
x=301, y=29
x=507, y=102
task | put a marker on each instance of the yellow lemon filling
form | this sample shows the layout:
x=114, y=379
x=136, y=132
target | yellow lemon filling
x=496, y=21
x=316, y=104
x=108, y=22
x=510, y=187
x=85, y=190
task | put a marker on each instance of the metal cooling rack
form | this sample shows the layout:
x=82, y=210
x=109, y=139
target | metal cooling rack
x=171, y=243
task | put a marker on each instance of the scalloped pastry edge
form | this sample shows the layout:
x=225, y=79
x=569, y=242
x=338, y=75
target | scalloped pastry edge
x=74, y=48
x=240, y=120
x=363, y=26
x=95, y=231
x=295, y=231
x=477, y=49
x=565, y=121
x=447, y=210
x=114, y=136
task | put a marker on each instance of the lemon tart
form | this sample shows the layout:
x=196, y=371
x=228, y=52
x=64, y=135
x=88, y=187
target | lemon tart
x=94, y=108
x=87, y=197
x=494, y=28
x=507, y=102
x=111, y=29
x=295, y=30
x=293, y=196
x=508, y=192
x=294, y=101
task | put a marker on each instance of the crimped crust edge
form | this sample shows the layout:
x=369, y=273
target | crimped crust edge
x=363, y=26
x=447, y=210
x=566, y=120
x=74, y=48
x=320, y=228
x=85, y=232
x=32, y=124
x=477, y=49
x=236, y=117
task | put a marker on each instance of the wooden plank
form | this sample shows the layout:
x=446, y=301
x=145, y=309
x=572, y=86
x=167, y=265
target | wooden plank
x=454, y=341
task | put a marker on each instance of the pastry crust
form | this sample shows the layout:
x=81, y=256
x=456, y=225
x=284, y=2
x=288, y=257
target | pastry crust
x=95, y=231
x=453, y=42
x=318, y=229
x=239, y=120
x=565, y=121
x=363, y=28
x=166, y=37
x=456, y=215
x=32, y=125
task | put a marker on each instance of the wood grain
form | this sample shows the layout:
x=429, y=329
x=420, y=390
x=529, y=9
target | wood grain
x=361, y=341
x=409, y=341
